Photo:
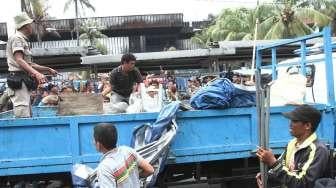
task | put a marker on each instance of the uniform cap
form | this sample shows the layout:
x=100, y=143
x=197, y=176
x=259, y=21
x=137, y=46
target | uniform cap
x=21, y=20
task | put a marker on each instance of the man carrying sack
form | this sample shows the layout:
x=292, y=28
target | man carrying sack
x=24, y=75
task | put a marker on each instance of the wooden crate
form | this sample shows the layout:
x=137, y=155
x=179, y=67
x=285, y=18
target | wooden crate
x=80, y=104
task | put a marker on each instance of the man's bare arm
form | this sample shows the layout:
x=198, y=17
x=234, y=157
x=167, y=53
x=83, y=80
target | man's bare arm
x=18, y=56
x=147, y=169
x=107, y=90
x=44, y=68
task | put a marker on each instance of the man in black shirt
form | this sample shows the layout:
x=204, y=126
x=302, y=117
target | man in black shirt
x=124, y=78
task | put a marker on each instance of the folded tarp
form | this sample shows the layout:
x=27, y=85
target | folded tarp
x=221, y=93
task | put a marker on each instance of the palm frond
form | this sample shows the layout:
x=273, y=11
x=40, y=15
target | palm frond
x=101, y=47
x=67, y=5
x=298, y=28
x=87, y=4
x=265, y=11
x=219, y=34
x=276, y=32
x=38, y=8
x=266, y=26
x=84, y=36
x=231, y=36
x=242, y=35
x=199, y=39
x=99, y=35
x=248, y=36
x=310, y=14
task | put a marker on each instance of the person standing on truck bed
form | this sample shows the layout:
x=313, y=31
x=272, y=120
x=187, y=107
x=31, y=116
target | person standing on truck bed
x=305, y=159
x=119, y=166
x=23, y=73
x=123, y=78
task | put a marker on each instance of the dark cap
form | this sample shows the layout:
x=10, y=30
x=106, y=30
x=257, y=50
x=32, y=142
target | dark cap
x=304, y=113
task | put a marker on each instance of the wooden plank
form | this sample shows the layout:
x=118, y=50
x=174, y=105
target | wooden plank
x=80, y=104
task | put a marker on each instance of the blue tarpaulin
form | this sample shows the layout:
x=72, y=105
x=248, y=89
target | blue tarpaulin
x=154, y=131
x=221, y=93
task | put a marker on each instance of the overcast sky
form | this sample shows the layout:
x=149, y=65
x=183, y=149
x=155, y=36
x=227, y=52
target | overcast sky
x=192, y=10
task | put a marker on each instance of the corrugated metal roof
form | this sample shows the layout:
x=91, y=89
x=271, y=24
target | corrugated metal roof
x=65, y=51
x=103, y=59
x=226, y=48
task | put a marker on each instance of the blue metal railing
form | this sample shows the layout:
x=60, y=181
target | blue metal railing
x=327, y=49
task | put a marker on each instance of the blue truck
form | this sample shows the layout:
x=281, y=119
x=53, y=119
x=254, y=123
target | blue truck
x=211, y=146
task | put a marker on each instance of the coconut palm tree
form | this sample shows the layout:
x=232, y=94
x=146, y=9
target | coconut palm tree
x=235, y=24
x=91, y=35
x=231, y=24
x=327, y=7
x=83, y=3
x=330, y=10
x=283, y=19
x=291, y=20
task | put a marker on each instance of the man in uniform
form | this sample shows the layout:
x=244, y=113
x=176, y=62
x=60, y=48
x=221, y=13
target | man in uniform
x=124, y=79
x=21, y=68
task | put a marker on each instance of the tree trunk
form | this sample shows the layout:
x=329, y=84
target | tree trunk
x=23, y=4
x=38, y=31
x=333, y=24
x=26, y=7
x=77, y=22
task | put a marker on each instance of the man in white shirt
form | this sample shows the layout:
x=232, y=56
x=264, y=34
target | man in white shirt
x=119, y=166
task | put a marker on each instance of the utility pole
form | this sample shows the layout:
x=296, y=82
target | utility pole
x=77, y=22
x=255, y=41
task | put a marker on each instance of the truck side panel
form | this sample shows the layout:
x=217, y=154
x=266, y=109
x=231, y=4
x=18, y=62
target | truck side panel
x=54, y=144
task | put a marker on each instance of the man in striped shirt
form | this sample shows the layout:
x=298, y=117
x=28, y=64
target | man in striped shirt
x=119, y=166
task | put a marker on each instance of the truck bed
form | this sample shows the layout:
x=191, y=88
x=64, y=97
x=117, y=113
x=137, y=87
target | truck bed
x=48, y=143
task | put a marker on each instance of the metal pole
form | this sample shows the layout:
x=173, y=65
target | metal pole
x=258, y=104
x=254, y=42
x=262, y=118
x=263, y=144
x=267, y=115
x=77, y=22
x=266, y=132
x=327, y=47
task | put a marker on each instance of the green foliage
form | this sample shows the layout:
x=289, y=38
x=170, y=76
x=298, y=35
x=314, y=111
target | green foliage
x=83, y=3
x=283, y=19
x=200, y=38
x=36, y=9
x=235, y=24
x=292, y=21
x=91, y=34
x=327, y=7
x=102, y=48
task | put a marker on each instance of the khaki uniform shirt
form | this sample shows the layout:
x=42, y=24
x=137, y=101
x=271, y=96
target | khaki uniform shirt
x=19, y=97
x=17, y=42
